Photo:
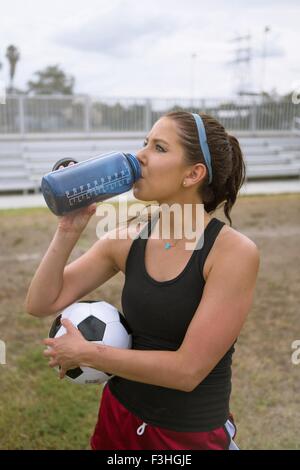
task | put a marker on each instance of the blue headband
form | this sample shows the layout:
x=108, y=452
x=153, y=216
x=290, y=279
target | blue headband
x=203, y=144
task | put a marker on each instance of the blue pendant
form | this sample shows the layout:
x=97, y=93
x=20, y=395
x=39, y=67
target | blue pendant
x=167, y=246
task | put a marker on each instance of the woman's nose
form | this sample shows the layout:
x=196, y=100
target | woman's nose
x=141, y=156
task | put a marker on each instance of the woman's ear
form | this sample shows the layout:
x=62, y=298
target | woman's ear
x=196, y=174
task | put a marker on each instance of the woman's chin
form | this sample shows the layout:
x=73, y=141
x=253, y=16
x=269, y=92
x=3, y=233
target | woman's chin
x=141, y=195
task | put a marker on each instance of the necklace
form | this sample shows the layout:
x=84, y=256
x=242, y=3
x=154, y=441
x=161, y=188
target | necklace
x=168, y=245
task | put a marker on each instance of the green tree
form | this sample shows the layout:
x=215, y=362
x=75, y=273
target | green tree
x=52, y=80
x=12, y=55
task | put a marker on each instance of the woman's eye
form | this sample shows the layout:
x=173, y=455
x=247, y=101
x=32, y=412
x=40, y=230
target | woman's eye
x=157, y=146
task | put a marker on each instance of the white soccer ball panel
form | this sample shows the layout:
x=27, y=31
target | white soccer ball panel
x=77, y=312
x=104, y=311
x=115, y=335
x=61, y=331
x=91, y=376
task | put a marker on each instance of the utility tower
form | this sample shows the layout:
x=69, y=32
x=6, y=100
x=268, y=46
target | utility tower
x=242, y=65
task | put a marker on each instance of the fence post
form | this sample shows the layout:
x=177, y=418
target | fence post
x=148, y=114
x=87, y=114
x=21, y=115
x=253, y=117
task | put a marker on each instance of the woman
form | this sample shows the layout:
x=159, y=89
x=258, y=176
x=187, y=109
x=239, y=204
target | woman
x=185, y=308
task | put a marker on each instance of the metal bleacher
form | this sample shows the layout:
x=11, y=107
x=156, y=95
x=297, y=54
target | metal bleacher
x=23, y=162
x=271, y=157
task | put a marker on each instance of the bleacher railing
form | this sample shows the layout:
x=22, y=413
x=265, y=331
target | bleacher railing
x=23, y=114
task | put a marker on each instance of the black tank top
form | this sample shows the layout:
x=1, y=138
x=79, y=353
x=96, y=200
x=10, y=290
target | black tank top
x=159, y=314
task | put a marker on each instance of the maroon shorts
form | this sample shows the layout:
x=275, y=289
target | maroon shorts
x=118, y=429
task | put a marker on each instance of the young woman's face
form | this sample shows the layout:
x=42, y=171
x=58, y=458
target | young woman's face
x=162, y=164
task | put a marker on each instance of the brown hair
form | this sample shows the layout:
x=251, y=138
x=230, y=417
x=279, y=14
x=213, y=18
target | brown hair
x=228, y=166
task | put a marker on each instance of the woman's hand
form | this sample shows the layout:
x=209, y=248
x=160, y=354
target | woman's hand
x=76, y=220
x=67, y=350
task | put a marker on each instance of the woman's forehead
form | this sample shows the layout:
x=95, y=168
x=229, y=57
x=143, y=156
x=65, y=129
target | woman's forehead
x=164, y=128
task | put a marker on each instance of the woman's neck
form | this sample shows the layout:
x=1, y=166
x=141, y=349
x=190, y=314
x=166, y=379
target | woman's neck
x=181, y=220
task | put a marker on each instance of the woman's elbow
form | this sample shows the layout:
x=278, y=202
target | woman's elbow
x=30, y=310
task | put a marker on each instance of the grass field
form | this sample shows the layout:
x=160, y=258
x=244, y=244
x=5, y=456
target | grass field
x=38, y=411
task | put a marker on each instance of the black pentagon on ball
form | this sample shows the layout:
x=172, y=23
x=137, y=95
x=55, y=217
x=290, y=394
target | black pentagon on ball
x=124, y=323
x=55, y=327
x=92, y=328
x=74, y=373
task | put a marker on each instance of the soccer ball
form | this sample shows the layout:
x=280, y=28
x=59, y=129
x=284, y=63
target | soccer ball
x=99, y=322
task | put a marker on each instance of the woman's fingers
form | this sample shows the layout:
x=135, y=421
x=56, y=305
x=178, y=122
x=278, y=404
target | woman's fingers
x=62, y=166
x=48, y=341
x=48, y=352
x=52, y=363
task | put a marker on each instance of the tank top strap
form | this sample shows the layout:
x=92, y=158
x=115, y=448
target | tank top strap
x=210, y=234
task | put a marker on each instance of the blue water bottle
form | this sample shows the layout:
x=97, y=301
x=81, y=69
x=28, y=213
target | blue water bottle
x=92, y=180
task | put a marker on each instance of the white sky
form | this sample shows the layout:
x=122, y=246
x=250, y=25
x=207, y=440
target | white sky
x=143, y=48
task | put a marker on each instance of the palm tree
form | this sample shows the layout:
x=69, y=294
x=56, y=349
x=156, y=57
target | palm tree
x=12, y=55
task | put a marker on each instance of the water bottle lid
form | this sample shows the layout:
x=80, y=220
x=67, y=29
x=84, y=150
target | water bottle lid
x=64, y=162
x=135, y=165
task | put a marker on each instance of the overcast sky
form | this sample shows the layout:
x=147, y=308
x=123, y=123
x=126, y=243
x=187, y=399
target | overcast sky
x=144, y=48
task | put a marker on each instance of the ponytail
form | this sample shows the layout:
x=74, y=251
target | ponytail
x=236, y=178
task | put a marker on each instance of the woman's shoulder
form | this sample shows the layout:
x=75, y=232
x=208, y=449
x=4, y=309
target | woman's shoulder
x=231, y=247
x=234, y=242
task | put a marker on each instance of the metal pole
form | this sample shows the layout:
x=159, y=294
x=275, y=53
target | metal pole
x=264, y=57
x=193, y=69
x=148, y=115
x=253, y=117
x=87, y=114
x=21, y=115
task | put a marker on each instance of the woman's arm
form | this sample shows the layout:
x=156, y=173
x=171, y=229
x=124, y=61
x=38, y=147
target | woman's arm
x=48, y=279
x=163, y=368
x=226, y=301
x=56, y=286
x=47, y=282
